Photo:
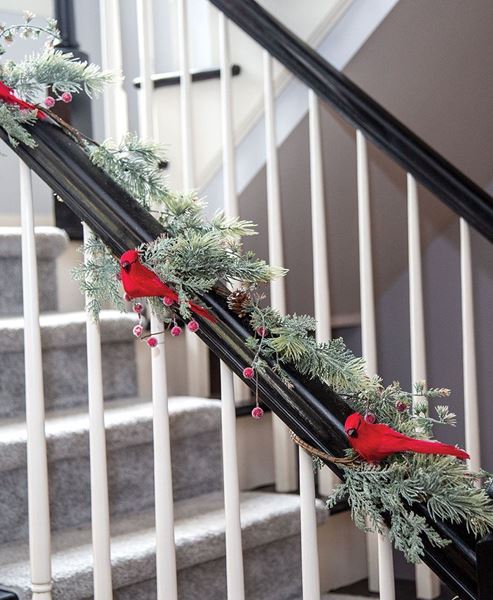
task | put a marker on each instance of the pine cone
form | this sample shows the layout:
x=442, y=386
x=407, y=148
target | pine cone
x=238, y=301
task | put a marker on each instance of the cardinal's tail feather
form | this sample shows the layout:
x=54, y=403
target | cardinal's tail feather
x=429, y=447
x=203, y=312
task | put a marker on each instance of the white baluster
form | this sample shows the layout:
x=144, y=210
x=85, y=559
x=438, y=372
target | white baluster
x=418, y=345
x=469, y=350
x=284, y=455
x=100, y=511
x=37, y=464
x=185, y=99
x=308, y=514
x=234, y=552
x=231, y=208
x=385, y=569
x=197, y=352
x=114, y=98
x=163, y=487
x=167, y=587
x=308, y=517
x=146, y=58
x=427, y=583
x=321, y=294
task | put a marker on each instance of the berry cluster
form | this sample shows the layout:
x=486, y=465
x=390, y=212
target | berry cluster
x=151, y=340
x=249, y=373
x=50, y=101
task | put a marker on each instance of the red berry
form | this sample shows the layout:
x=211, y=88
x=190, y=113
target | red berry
x=261, y=331
x=49, y=102
x=248, y=372
x=370, y=417
x=257, y=413
x=152, y=342
x=175, y=331
x=137, y=330
x=67, y=97
x=400, y=406
x=193, y=326
x=167, y=301
x=138, y=308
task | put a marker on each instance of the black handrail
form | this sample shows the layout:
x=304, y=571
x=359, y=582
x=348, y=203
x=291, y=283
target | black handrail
x=431, y=169
x=311, y=409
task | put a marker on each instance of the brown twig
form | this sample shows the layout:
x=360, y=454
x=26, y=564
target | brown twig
x=75, y=133
x=323, y=455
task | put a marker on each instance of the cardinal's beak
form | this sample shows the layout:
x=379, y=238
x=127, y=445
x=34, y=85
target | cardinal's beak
x=352, y=433
x=126, y=266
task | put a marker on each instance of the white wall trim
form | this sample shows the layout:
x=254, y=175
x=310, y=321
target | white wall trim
x=347, y=35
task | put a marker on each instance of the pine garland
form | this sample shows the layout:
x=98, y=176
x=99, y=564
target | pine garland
x=195, y=254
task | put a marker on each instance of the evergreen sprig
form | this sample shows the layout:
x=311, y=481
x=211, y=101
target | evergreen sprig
x=391, y=489
x=14, y=122
x=135, y=165
x=59, y=70
x=98, y=277
x=290, y=340
x=27, y=30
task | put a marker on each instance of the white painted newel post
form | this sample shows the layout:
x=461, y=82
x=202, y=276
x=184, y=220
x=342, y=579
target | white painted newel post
x=471, y=410
x=284, y=454
x=427, y=583
x=37, y=464
x=167, y=587
x=382, y=549
x=100, y=511
x=197, y=351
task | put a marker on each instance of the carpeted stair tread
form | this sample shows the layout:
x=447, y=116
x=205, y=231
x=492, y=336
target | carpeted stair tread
x=66, y=329
x=128, y=422
x=63, y=338
x=50, y=243
x=199, y=536
x=196, y=461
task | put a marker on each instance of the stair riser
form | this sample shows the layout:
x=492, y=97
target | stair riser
x=272, y=571
x=11, y=286
x=65, y=376
x=50, y=244
x=197, y=469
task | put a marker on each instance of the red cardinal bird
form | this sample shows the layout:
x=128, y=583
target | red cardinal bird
x=140, y=282
x=374, y=442
x=7, y=95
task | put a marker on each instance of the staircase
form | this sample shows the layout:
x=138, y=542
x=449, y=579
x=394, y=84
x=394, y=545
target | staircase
x=278, y=531
x=270, y=522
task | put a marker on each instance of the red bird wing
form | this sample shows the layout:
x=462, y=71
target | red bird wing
x=392, y=441
x=141, y=282
x=375, y=442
